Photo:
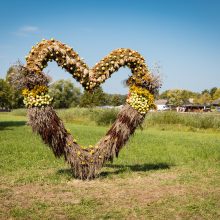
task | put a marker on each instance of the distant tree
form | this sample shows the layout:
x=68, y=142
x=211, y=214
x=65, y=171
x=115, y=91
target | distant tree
x=204, y=99
x=205, y=91
x=216, y=95
x=64, y=94
x=178, y=97
x=117, y=99
x=212, y=91
x=96, y=98
x=16, y=99
x=175, y=98
x=164, y=95
x=5, y=94
x=16, y=96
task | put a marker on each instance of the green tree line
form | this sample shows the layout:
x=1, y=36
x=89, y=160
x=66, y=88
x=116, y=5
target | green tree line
x=65, y=94
x=178, y=97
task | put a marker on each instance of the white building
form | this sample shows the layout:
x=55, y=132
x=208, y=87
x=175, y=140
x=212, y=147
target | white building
x=161, y=105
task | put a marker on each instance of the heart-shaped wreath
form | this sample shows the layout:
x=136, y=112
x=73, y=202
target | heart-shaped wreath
x=85, y=163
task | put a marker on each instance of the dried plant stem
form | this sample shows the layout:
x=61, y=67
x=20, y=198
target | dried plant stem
x=85, y=163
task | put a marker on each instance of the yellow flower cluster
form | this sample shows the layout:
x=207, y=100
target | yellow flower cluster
x=38, y=100
x=140, y=99
x=37, y=90
x=37, y=96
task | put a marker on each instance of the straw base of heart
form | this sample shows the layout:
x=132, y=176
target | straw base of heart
x=85, y=163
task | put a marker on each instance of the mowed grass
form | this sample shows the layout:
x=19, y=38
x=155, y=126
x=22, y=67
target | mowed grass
x=160, y=174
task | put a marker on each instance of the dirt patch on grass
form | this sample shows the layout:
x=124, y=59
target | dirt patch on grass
x=131, y=191
x=119, y=195
x=125, y=192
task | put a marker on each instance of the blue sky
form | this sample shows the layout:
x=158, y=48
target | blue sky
x=181, y=36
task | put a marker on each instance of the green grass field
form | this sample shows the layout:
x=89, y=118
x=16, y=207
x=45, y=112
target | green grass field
x=164, y=172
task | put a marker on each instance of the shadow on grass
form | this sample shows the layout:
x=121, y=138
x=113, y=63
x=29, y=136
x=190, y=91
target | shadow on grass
x=5, y=125
x=65, y=172
x=118, y=169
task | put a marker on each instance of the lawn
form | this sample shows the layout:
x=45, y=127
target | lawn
x=160, y=174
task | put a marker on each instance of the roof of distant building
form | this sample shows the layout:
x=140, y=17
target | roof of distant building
x=161, y=102
x=216, y=102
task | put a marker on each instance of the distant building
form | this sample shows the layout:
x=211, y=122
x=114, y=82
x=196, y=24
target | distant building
x=195, y=108
x=216, y=102
x=162, y=105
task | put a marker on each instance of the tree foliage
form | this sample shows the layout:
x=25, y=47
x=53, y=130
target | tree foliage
x=178, y=97
x=212, y=91
x=207, y=96
x=5, y=94
x=64, y=94
x=100, y=98
x=204, y=99
x=115, y=99
x=97, y=98
x=16, y=97
x=216, y=94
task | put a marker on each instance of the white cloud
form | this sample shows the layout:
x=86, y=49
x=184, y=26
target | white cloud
x=27, y=30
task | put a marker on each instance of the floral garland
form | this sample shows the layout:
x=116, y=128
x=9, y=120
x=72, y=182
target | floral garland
x=67, y=58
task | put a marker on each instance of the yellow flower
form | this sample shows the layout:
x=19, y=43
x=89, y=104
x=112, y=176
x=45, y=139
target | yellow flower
x=37, y=96
x=140, y=99
x=92, y=152
x=25, y=92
